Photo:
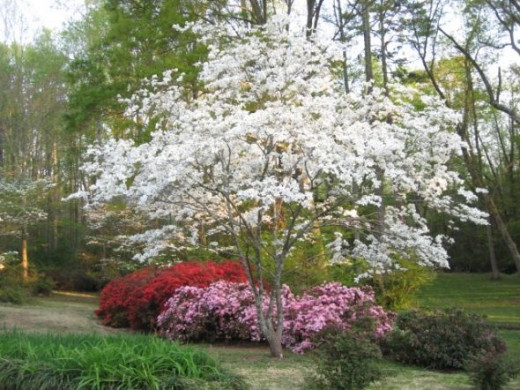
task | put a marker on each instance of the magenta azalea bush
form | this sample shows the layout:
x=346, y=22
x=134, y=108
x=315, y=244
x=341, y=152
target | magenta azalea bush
x=226, y=310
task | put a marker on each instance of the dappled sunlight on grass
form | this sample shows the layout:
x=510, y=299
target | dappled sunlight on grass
x=76, y=294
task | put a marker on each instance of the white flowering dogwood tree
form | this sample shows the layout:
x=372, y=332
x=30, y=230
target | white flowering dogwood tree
x=19, y=209
x=272, y=149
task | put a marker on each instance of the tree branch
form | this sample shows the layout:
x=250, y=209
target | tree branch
x=493, y=99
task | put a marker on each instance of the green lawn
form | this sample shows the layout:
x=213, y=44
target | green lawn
x=265, y=373
x=477, y=293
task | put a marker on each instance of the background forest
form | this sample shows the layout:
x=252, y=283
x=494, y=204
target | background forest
x=61, y=92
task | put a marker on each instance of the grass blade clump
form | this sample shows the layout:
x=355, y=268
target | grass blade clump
x=115, y=362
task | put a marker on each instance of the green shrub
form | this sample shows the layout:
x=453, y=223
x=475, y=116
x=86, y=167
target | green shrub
x=396, y=290
x=491, y=370
x=347, y=360
x=12, y=286
x=346, y=273
x=37, y=361
x=440, y=340
x=74, y=279
x=16, y=289
x=13, y=294
x=42, y=285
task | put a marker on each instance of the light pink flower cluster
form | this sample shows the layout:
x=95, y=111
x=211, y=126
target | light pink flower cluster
x=226, y=310
x=331, y=304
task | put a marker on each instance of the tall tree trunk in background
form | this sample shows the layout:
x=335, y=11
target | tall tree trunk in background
x=382, y=34
x=55, y=197
x=259, y=11
x=365, y=26
x=313, y=16
x=342, y=22
x=25, y=256
x=495, y=273
x=1, y=146
x=504, y=232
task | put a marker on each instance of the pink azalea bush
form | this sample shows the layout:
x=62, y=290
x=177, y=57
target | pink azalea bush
x=225, y=310
x=331, y=305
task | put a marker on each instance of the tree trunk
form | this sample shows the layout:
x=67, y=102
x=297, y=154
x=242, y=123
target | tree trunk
x=365, y=18
x=495, y=274
x=202, y=234
x=506, y=236
x=384, y=64
x=343, y=38
x=273, y=335
x=275, y=343
x=259, y=11
x=1, y=147
x=55, y=197
x=25, y=257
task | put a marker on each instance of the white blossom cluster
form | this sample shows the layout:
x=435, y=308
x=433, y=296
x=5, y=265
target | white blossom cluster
x=19, y=203
x=272, y=147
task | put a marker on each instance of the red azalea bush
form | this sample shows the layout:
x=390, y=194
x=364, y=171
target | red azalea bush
x=135, y=300
x=115, y=297
x=226, y=310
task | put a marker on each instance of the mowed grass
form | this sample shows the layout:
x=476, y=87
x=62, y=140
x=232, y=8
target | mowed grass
x=260, y=370
x=265, y=373
x=498, y=300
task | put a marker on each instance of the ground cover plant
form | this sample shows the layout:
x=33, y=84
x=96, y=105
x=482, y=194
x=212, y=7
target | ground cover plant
x=226, y=311
x=46, y=361
x=136, y=299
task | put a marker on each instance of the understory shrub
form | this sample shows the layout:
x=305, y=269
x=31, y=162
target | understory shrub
x=440, y=340
x=135, y=300
x=226, y=310
x=14, y=288
x=396, y=290
x=13, y=294
x=42, y=286
x=49, y=362
x=491, y=370
x=72, y=279
x=346, y=360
